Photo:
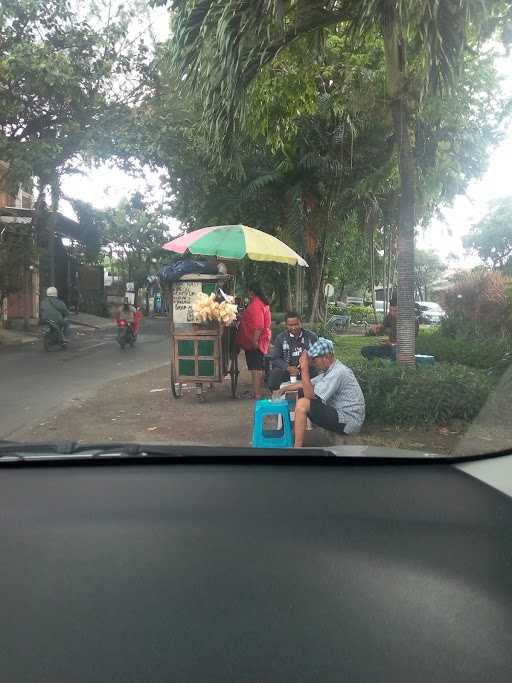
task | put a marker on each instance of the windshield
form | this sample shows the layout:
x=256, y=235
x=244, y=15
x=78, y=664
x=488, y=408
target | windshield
x=214, y=233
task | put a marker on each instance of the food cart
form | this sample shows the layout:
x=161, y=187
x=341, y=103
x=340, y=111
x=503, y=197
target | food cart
x=205, y=353
x=202, y=354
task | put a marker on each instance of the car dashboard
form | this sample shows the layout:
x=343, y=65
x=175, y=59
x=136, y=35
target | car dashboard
x=255, y=571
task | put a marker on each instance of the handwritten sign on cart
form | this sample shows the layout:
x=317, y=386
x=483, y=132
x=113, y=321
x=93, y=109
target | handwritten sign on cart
x=184, y=294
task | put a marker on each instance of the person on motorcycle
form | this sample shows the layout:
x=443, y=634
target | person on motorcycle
x=127, y=312
x=131, y=316
x=55, y=310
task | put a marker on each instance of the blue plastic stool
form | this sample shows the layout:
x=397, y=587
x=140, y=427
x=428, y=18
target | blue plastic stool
x=272, y=438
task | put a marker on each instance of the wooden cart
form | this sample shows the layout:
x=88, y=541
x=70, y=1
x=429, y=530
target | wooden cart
x=201, y=354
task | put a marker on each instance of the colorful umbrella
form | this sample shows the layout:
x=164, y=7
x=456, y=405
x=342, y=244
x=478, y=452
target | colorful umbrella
x=235, y=242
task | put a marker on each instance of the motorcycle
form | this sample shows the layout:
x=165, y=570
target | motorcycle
x=52, y=335
x=126, y=333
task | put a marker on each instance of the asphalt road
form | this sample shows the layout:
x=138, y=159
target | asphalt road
x=36, y=384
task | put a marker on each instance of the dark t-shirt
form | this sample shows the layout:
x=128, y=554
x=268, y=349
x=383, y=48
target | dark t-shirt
x=288, y=348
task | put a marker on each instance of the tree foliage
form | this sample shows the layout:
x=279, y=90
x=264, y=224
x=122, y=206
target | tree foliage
x=478, y=305
x=429, y=268
x=491, y=238
x=133, y=234
x=59, y=76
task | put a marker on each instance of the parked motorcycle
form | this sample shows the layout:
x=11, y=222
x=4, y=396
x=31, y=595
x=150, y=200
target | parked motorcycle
x=126, y=333
x=52, y=335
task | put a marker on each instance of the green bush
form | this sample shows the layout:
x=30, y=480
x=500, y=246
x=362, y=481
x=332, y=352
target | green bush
x=397, y=394
x=478, y=304
x=357, y=313
x=475, y=353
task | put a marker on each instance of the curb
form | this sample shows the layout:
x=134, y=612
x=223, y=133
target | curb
x=17, y=342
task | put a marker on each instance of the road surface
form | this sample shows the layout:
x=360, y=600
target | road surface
x=36, y=384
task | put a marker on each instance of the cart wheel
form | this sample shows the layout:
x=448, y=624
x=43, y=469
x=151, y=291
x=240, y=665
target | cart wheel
x=175, y=386
x=233, y=371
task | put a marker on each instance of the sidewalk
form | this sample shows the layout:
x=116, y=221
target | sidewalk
x=16, y=337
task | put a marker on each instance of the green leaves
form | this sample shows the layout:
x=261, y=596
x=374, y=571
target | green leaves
x=492, y=237
x=58, y=84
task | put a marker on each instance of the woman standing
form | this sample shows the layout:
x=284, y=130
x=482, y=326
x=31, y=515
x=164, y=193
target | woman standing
x=254, y=335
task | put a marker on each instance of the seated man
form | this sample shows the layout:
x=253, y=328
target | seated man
x=288, y=348
x=389, y=348
x=333, y=399
x=55, y=310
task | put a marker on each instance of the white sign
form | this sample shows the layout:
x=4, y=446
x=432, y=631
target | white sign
x=184, y=294
x=130, y=286
x=328, y=291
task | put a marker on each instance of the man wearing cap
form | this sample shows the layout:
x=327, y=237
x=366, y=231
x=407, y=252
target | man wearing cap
x=52, y=308
x=333, y=399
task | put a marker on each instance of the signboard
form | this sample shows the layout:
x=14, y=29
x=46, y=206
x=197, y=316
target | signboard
x=184, y=294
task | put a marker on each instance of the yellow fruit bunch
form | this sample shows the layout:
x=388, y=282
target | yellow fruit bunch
x=207, y=308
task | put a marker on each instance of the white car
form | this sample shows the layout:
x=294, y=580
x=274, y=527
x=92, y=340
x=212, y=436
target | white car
x=431, y=313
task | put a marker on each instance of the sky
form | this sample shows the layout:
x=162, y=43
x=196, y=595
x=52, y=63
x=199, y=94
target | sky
x=105, y=186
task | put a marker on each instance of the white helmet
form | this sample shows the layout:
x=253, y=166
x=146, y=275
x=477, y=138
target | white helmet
x=52, y=291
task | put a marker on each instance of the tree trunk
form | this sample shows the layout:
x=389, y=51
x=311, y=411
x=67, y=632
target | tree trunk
x=316, y=272
x=314, y=285
x=406, y=310
x=396, y=60
x=299, y=289
x=372, y=267
x=289, y=297
x=52, y=225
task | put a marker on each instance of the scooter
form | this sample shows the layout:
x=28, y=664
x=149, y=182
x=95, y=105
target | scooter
x=52, y=335
x=125, y=333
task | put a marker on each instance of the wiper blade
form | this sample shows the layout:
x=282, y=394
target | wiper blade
x=63, y=447
x=69, y=450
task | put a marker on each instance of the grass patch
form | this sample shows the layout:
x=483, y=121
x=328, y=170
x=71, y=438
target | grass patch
x=348, y=348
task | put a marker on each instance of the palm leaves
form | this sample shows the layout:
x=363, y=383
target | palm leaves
x=220, y=46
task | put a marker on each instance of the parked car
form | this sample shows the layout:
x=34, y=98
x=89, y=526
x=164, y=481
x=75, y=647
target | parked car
x=430, y=312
